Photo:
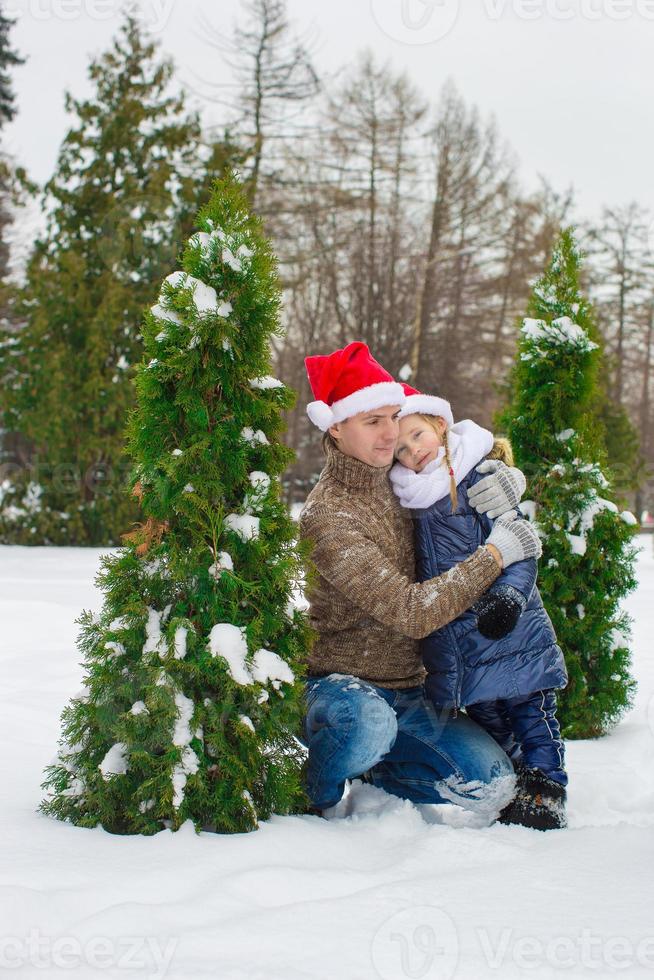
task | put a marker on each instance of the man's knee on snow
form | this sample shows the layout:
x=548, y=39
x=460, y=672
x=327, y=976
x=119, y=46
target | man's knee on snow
x=368, y=725
x=484, y=797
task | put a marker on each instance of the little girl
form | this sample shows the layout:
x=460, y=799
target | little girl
x=500, y=659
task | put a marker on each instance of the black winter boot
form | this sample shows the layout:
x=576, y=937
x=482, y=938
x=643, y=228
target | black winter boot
x=539, y=802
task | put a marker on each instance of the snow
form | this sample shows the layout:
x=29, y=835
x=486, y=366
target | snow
x=245, y=525
x=560, y=332
x=204, y=297
x=189, y=764
x=116, y=649
x=200, y=238
x=155, y=641
x=224, y=562
x=179, y=642
x=162, y=314
x=182, y=732
x=249, y=435
x=231, y=260
x=266, y=666
x=265, y=382
x=583, y=521
x=382, y=888
x=260, y=482
x=578, y=543
x=528, y=508
x=229, y=641
x=115, y=761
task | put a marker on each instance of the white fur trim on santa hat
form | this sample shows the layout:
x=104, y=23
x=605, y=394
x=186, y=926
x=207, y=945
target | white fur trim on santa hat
x=363, y=400
x=428, y=405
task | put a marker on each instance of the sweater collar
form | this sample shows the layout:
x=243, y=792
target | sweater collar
x=353, y=472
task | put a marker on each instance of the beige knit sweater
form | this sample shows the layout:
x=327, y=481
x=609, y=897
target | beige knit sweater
x=364, y=602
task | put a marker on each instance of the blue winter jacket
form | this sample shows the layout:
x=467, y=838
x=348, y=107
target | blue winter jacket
x=464, y=667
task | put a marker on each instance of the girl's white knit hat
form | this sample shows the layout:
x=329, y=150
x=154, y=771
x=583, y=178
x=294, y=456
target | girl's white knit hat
x=418, y=403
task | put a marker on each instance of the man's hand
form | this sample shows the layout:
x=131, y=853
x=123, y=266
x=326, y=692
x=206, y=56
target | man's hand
x=495, y=553
x=514, y=538
x=498, y=492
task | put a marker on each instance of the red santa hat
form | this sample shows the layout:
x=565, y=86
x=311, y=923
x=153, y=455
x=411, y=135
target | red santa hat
x=417, y=403
x=347, y=382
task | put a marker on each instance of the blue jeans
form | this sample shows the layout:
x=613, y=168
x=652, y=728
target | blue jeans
x=409, y=748
x=527, y=729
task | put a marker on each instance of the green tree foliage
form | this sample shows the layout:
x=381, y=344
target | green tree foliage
x=587, y=566
x=192, y=696
x=120, y=204
x=8, y=59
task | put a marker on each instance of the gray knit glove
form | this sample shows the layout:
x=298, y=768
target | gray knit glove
x=514, y=538
x=500, y=491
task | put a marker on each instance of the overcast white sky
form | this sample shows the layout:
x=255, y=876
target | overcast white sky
x=570, y=81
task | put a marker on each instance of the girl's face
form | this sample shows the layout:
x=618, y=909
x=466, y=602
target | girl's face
x=418, y=442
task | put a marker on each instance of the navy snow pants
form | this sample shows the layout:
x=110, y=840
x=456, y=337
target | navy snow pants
x=527, y=729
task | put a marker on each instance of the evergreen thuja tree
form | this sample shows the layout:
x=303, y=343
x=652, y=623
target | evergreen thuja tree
x=192, y=696
x=121, y=202
x=587, y=566
x=8, y=59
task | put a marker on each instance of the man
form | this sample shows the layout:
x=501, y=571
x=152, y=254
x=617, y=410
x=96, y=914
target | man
x=366, y=708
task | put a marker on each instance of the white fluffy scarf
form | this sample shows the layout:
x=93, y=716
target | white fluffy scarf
x=468, y=444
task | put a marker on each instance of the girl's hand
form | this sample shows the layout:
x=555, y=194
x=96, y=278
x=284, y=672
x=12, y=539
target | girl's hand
x=498, y=611
x=515, y=539
x=499, y=492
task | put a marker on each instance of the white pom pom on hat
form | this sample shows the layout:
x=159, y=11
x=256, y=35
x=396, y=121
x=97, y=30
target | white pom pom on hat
x=347, y=382
x=320, y=414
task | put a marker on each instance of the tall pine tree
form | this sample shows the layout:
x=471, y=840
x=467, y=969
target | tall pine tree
x=192, y=696
x=8, y=59
x=9, y=320
x=587, y=564
x=120, y=203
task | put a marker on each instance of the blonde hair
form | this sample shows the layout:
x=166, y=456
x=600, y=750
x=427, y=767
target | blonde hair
x=328, y=441
x=501, y=450
x=431, y=420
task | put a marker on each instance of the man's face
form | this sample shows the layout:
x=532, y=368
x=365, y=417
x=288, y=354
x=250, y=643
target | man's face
x=369, y=436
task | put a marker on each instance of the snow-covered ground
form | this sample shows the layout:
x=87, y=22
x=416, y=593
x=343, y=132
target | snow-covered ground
x=382, y=889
